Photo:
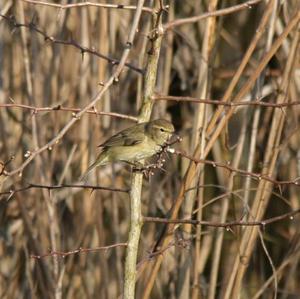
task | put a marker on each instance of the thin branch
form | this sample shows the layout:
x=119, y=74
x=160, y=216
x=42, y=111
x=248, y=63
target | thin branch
x=263, y=244
x=63, y=254
x=226, y=225
x=32, y=26
x=87, y=3
x=137, y=178
x=227, y=166
x=36, y=110
x=12, y=192
x=225, y=73
x=292, y=259
x=225, y=103
x=217, y=13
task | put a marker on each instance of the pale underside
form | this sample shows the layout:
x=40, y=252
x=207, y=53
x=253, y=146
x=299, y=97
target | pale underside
x=132, y=153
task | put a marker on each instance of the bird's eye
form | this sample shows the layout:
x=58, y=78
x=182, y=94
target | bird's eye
x=162, y=130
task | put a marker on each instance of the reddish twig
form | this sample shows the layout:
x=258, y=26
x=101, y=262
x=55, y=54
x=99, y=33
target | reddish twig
x=32, y=26
x=217, y=13
x=64, y=254
x=227, y=166
x=12, y=192
x=35, y=110
x=225, y=103
x=87, y=3
x=226, y=225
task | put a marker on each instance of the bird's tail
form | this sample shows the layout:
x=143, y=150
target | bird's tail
x=84, y=176
x=102, y=159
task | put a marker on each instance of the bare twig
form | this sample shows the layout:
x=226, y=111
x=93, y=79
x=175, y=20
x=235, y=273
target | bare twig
x=32, y=26
x=12, y=192
x=263, y=244
x=217, y=13
x=226, y=103
x=58, y=108
x=227, y=166
x=226, y=225
x=137, y=178
x=87, y=3
x=63, y=254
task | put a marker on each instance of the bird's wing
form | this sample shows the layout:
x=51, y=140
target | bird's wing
x=127, y=137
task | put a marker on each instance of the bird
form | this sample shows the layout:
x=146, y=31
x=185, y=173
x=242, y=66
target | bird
x=133, y=144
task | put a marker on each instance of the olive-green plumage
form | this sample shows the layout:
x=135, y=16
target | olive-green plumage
x=134, y=144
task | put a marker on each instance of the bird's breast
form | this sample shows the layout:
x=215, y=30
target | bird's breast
x=136, y=152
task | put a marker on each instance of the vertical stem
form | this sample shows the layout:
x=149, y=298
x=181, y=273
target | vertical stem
x=137, y=178
x=151, y=71
x=134, y=235
x=217, y=251
x=199, y=139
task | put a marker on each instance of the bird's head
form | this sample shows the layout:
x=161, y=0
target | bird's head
x=160, y=130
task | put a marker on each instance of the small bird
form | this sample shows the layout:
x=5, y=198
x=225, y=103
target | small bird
x=133, y=144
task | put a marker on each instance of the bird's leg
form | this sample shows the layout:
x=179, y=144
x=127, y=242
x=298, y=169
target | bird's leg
x=147, y=170
x=139, y=167
x=135, y=165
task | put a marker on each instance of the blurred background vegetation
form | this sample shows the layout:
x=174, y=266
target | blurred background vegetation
x=197, y=59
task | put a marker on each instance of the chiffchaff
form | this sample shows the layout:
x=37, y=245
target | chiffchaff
x=134, y=144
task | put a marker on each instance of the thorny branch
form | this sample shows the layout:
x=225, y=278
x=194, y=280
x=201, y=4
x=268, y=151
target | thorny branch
x=32, y=26
x=255, y=103
x=227, y=166
x=61, y=108
x=258, y=102
x=167, y=26
x=12, y=192
x=87, y=3
x=148, y=170
x=64, y=254
x=227, y=225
